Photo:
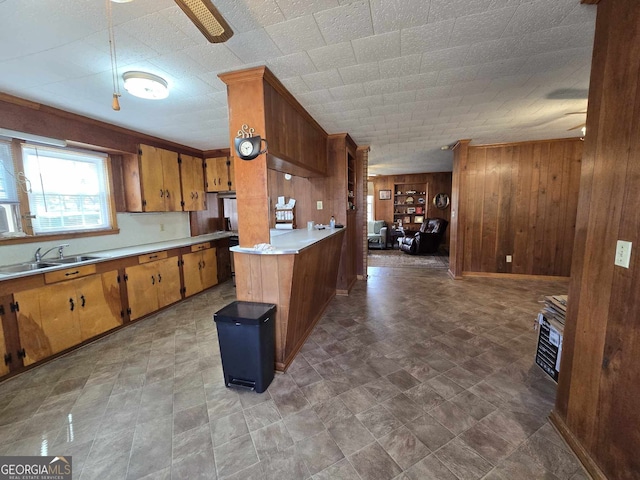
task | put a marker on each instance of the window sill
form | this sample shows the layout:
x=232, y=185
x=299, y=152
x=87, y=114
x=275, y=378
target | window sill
x=57, y=236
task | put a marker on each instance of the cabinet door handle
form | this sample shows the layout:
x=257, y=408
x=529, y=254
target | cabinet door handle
x=152, y=256
x=192, y=196
x=199, y=265
x=83, y=300
x=71, y=304
x=71, y=273
x=167, y=193
x=161, y=193
x=153, y=280
x=197, y=195
x=159, y=278
x=22, y=353
x=203, y=263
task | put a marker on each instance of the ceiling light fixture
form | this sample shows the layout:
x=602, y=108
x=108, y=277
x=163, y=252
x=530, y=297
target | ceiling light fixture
x=207, y=18
x=145, y=85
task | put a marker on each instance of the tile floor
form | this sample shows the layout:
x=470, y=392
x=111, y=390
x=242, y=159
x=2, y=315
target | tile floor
x=413, y=376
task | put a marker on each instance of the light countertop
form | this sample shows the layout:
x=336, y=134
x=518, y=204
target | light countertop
x=285, y=242
x=105, y=255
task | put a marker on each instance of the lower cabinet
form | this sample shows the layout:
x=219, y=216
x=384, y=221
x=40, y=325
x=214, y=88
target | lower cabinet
x=4, y=366
x=56, y=317
x=200, y=270
x=153, y=285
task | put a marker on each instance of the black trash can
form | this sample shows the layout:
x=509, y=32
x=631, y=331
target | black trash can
x=246, y=335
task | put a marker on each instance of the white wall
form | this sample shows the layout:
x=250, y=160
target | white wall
x=135, y=229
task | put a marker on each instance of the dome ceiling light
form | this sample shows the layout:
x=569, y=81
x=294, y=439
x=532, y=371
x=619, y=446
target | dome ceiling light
x=145, y=85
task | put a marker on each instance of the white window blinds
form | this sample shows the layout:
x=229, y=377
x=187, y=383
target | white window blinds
x=8, y=193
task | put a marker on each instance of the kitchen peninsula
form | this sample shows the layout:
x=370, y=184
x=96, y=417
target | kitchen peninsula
x=297, y=272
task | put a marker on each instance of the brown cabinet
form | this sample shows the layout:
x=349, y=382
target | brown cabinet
x=192, y=179
x=61, y=315
x=200, y=269
x=153, y=285
x=220, y=174
x=4, y=365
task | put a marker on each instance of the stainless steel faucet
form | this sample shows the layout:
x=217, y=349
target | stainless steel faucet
x=40, y=256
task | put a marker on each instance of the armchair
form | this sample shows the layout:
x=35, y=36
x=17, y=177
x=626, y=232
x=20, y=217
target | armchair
x=427, y=239
x=377, y=234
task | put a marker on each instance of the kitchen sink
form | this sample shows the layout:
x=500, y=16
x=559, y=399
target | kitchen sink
x=73, y=259
x=26, y=267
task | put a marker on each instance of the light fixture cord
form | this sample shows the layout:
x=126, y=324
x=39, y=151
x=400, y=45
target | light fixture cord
x=112, y=52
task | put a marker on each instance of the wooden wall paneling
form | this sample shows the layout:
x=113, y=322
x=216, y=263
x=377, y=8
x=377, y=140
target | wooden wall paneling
x=209, y=220
x=475, y=201
x=598, y=384
x=541, y=210
x=490, y=212
x=504, y=228
x=522, y=194
x=362, y=154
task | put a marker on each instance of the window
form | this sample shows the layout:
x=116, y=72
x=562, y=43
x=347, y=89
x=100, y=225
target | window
x=9, y=202
x=370, y=207
x=67, y=190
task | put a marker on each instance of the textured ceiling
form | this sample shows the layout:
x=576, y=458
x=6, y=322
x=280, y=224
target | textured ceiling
x=403, y=76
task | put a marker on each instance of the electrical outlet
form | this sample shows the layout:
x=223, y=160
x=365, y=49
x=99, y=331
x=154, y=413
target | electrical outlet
x=509, y=259
x=319, y=204
x=623, y=254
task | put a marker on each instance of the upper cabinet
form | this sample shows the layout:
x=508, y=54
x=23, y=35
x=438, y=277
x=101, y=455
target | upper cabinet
x=220, y=174
x=192, y=176
x=156, y=181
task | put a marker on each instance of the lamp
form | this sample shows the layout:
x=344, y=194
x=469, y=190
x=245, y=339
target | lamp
x=145, y=85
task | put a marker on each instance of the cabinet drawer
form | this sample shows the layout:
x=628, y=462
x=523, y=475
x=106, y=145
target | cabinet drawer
x=200, y=246
x=69, y=273
x=151, y=257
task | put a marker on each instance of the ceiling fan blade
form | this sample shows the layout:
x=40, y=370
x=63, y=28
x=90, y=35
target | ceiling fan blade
x=576, y=127
x=207, y=18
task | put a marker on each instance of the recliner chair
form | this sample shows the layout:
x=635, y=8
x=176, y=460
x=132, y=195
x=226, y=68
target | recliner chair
x=427, y=239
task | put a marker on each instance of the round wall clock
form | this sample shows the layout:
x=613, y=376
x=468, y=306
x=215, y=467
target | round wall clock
x=441, y=200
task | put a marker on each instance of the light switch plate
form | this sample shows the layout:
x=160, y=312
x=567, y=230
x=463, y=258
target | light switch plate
x=319, y=204
x=623, y=254
x=509, y=259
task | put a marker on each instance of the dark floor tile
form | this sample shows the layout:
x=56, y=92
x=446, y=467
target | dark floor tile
x=463, y=461
x=319, y=452
x=234, y=456
x=192, y=441
x=430, y=468
x=199, y=465
x=430, y=432
x=303, y=424
x=487, y=443
x=285, y=465
x=189, y=418
x=271, y=439
x=261, y=415
x=341, y=470
x=332, y=411
x=379, y=421
x=373, y=463
x=350, y=435
x=358, y=400
x=473, y=405
x=403, y=380
x=228, y=428
x=151, y=449
x=453, y=417
x=404, y=447
x=403, y=408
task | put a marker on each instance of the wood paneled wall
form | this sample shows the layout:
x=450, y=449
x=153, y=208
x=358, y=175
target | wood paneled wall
x=439, y=182
x=599, y=385
x=519, y=199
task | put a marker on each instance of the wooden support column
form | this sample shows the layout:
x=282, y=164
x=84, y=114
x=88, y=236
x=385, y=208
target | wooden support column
x=245, y=94
x=456, y=227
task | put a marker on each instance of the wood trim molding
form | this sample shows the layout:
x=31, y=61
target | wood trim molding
x=266, y=74
x=576, y=447
x=18, y=122
x=518, y=276
x=527, y=142
x=590, y=2
x=220, y=152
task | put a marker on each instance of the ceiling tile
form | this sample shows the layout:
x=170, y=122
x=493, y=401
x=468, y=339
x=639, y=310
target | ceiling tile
x=368, y=102
x=460, y=74
x=299, y=8
x=180, y=21
x=390, y=15
x=433, y=92
x=400, y=66
x=323, y=80
x=347, y=92
x=502, y=68
x=558, y=38
x=539, y=15
x=346, y=22
x=296, y=35
x=399, y=97
x=442, y=59
x=293, y=65
x=493, y=50
x=253, y=46
x=333, y=56
x=158, y=33
x=181, y=65
x=249, y=15
x=214, y=57
x=386, y=85
x=318, y=96
x=480, y=27
x=295, y=85
x=376, y=48
x=446, y=9
x=426, y=38
x=418, y=82
x=364, y=72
